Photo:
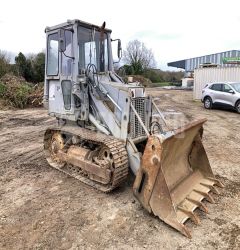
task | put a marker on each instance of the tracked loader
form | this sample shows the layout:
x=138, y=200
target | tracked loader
x=105, y=127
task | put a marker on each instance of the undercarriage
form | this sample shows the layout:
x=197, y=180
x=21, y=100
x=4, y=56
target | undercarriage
x=96, y=159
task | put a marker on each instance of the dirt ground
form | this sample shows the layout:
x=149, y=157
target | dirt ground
x=41, y=208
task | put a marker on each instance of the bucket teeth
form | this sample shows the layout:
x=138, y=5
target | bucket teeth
x=206, y=195
x=185, y=210
x=183, y=229
x=199, y=204
x=211, y=187
x=186, y=232
x=190, y=214
x=215, y=190
x=217, y=182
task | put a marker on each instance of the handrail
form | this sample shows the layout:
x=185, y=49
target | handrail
x=160, y=113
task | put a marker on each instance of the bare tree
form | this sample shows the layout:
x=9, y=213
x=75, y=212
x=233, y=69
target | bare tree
x=138, y=56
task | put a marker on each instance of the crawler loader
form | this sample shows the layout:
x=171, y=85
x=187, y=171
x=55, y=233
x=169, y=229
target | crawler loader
x=105, y=127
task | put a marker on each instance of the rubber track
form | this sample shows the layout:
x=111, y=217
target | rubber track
x=116, y=147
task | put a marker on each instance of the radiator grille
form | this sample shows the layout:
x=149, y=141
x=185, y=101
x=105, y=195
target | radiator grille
x=136, y=129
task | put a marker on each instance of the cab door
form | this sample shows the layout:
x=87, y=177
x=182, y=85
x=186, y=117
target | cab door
x=53, y=73
x=66, y=76
x=59, y=75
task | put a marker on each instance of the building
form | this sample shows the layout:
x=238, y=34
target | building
x=219, y=67
x=218, y=59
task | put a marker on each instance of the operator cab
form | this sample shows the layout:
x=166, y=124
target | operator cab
x=76, y=52
x=73, y=48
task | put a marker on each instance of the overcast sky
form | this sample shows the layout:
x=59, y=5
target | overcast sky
x=174, y=29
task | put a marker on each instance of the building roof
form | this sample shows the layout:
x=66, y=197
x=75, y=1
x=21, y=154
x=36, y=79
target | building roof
x=191, y=63
x=178, y=64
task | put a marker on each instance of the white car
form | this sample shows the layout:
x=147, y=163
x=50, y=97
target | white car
x=224, y=94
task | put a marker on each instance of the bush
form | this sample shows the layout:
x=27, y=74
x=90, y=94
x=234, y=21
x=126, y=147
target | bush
x=20, y=98
x=153, y=75
x=16, y=92
x=15, y=95
x=3, y=89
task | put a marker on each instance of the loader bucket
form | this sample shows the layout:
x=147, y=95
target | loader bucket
x=175, y=177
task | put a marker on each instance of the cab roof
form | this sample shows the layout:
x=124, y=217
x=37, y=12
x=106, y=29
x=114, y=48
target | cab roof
x=72, y=22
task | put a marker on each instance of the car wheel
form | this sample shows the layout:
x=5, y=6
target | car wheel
x=207, y=103
x=238, y=107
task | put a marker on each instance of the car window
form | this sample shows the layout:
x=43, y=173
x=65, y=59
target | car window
x=226, y=88
x=217, y=87
x=236, y=86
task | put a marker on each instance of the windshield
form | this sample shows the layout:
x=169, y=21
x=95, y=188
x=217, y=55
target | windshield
x=236, y=86
x=90, y=43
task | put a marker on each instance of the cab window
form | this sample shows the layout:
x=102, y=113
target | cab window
x=67, y=91
x=93, y=49
x=52, y=55
x=66, y=56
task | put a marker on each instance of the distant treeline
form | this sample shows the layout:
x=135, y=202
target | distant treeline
x=30, y=67
x=155, y=75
